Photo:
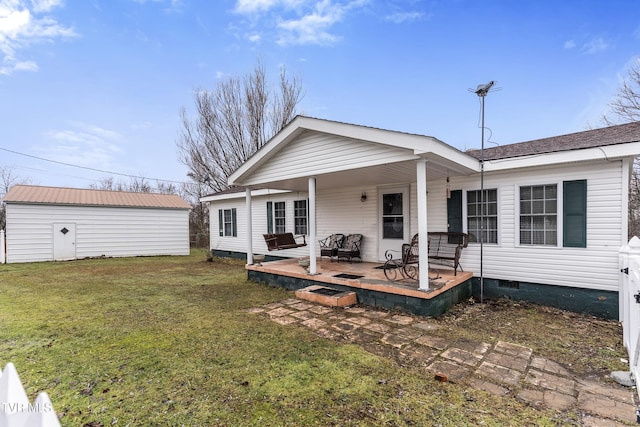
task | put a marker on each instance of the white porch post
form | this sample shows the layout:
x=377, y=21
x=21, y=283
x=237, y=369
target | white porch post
x=312, y=226
x=423, y=238
x=249, y=227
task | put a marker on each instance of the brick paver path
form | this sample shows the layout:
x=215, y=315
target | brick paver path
x=501, y=368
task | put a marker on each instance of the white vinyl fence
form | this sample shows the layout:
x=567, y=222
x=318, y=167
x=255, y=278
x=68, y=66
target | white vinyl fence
x=15, y=408
x=629, y=298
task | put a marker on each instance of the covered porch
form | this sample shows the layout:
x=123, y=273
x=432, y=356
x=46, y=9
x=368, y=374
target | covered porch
x=368, y=281
x=354, y=180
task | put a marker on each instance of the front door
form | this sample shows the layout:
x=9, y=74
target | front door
x=393, y=217
x=64, y=241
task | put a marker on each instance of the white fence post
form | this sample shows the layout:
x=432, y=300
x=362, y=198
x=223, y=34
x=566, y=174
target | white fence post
x=629, y=298
x=3, y=255
x=15, y=409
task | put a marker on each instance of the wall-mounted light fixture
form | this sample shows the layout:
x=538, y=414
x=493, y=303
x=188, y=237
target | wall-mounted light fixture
x=448, y=189
x=363, y=197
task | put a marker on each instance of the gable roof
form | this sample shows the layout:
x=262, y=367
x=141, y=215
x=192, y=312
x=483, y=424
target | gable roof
x=322, y=144
x=32, y=194
x=612, y=135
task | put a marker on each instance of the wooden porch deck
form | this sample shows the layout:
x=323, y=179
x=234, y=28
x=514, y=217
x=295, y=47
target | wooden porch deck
x=372, y=287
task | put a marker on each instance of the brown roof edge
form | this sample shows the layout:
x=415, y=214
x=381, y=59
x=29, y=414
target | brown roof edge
x=618, y=134
x=32, y=194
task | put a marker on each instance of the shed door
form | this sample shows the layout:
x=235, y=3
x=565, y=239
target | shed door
x=64, y=241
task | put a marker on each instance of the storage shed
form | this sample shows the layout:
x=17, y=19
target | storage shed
x=55, y=224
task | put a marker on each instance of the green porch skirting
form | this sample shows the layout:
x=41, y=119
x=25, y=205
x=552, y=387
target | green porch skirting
x=598, y=303
x=435, y=306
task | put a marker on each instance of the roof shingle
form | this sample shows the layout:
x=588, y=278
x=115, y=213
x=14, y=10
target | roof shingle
x=619, y=134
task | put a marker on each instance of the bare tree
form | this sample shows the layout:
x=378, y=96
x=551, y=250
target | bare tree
x=7, y=180
x=135, y=185
x=233, y=121
x=625, y=108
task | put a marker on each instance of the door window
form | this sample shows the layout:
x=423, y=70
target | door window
x=392, y=218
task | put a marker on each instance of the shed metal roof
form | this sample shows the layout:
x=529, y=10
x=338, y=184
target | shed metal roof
x=32, y=194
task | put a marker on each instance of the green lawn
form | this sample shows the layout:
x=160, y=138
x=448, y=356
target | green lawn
x=168, y=341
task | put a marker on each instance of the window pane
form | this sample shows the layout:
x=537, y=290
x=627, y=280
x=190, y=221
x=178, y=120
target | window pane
x=551, y=206
x=537, y=192
x=393, y=228
x=537, y=207
x=551, y=192
x=538, y=237
x=392, y=204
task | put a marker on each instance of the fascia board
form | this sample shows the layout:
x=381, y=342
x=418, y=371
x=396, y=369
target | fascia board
x=241, y=195
x=607, y=152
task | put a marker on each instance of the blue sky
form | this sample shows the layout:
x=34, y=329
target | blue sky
x=100, y=84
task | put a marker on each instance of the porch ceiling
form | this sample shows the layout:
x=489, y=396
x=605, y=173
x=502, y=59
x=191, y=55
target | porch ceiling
x=387, y=174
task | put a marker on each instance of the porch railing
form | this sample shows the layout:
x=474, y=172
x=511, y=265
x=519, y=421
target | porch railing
x=629, y=300
x=15, y=408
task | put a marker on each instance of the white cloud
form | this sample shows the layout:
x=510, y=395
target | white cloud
x=314, y=27
x=22, y=24
x=45, y=5
x=400, y=17
x=253, y=6
x=254, y=38
x=82, y=144
x=596, y=45
x=296, y=21
x=569, y=44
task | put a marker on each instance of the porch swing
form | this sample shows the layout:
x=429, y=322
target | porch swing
x=281, y=241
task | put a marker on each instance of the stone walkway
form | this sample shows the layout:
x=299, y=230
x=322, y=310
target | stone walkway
x=500, y=368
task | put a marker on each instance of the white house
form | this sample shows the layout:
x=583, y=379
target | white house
x=53, y=224
x=555, y=215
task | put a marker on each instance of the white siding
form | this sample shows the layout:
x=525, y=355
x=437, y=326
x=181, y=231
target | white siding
x=595, y=267
x=109, y=231
x=259, y=218
x=316, y=153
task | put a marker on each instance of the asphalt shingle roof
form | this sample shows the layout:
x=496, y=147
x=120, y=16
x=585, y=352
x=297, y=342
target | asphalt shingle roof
x=619, y=134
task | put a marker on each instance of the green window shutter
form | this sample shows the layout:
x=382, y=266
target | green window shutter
x=574, y=215
x=454, y=211
x=220, y=222
x=234, y=221
x=269, y=217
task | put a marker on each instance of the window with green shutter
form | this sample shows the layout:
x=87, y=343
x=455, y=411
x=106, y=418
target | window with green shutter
x=574, y=217
x=227, y=222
